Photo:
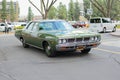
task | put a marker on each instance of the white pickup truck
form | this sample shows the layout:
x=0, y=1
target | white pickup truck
x=100, y=24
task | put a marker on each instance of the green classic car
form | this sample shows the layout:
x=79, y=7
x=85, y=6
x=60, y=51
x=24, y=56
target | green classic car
x=57, y=35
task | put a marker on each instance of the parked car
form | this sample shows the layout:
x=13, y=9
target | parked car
x=4, y=25
x=20, y=26
x=10, y=26
x=100, y=24
x=57, y=35
x=78, y=24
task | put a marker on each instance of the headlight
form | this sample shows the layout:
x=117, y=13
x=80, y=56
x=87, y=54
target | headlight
x=92, y=39
x=61, y=41
x=96, y=38
x=64, y=41
x=99, y=38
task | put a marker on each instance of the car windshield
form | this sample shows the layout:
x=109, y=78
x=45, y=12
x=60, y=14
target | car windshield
x=56, y=25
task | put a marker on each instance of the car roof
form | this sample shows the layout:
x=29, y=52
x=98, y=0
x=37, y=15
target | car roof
x=47, y=20
x=2, y=23
x=100, y=17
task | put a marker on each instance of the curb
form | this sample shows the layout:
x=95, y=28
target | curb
x=117, y=35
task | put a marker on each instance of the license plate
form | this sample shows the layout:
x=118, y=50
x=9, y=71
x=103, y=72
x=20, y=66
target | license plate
x=79, y=48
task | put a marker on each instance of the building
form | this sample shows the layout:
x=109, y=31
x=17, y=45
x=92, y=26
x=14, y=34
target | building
x=16, y=10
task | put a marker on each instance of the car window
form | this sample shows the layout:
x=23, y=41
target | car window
x=105, y=21
x=2, y=25
x=97, y=20
x=58, y=25
x=30, y=26
x=36, y=27
x=23, y=24
x=47, y=26
x=62, y=25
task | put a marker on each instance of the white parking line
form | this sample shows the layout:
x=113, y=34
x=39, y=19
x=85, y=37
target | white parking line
x=113, y=52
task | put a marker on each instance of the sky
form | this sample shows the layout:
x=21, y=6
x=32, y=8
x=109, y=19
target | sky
x=24, y=4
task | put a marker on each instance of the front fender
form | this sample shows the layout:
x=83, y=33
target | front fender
x=52, y=41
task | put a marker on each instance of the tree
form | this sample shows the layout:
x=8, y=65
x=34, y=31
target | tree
x=106, y=7
x=12, y=13
x=76, y=11
x=4, y=11
x=87, y=6
x=45, y=6
x=71, y=10
x=52, y=13
x=30, y=14
x=62, y=11
x=115, y=14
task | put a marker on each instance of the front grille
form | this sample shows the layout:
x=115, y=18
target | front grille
x=86, y=38
x=79, y=39
x=71, y=40
x=83, y=39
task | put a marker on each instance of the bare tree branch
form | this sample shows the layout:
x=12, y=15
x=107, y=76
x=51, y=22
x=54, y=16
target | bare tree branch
x=45, y=7
x=47, y=4
x=43, y=4
x=53, y=1
x=95, y=3
x=35, y=6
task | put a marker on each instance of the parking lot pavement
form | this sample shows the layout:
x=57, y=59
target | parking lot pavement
x=2, y=33
x=117, y=33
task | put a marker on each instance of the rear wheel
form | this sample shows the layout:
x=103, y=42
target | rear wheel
x=104, y=30
x=24, y=43
x=86, y=51
x=9, y=29
x=114, y=29
x=48, y=50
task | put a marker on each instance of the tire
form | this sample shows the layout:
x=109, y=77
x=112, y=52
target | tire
x=114, y=29
x=86, y=51
x=24, y=43
x=104, y=30
x=49, y=51
x=9, y=29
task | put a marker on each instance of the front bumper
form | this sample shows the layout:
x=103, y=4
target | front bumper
x=76, y=46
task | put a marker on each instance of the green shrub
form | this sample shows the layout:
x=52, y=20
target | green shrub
x=118, y=26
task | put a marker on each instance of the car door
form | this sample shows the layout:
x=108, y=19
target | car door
x=27, y=33
x=34, y=35
x=2, y=27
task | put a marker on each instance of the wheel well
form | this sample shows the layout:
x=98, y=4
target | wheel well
x=44, y=44
x=21, y=38
x=9, y=28
x=104, y=28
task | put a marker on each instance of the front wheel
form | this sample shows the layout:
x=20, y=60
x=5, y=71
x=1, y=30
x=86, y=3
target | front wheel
x=114, y=29
x=86, y=51
x=24, y=43
x=49, y=51
x=104, y=30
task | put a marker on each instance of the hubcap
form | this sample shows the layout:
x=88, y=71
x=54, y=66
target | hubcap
x=48, y=50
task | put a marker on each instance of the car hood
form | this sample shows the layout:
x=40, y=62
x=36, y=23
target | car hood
x=72, y=33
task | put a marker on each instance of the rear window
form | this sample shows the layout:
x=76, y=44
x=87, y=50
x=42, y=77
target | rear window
x=97, y=20
x=106, y=20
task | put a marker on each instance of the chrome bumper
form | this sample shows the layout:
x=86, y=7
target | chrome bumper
x=76, y=46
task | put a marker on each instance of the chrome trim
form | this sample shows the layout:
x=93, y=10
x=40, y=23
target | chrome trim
x=81, y=39
x=74, y=45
